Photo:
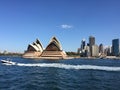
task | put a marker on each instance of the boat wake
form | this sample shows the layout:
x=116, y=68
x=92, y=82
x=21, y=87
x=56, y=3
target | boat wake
x=69, y=66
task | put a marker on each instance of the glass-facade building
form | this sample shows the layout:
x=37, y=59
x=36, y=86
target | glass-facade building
x=83, y=44
x=115, y=47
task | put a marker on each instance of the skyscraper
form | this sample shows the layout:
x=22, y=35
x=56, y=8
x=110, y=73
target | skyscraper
x=91, y=43
x=95, y=50
x=82, y=48
x=101, y=48
x=83, y=44
x=115, y=47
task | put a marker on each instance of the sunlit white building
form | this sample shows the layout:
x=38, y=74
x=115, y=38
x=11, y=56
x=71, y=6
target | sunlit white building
x=34, y=50
x=52, y=51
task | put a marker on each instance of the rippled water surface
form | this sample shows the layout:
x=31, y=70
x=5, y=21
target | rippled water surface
x=74, y=74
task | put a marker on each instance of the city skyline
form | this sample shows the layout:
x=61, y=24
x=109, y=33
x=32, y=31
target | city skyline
x=21, y=22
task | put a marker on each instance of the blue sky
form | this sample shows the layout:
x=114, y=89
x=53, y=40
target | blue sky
x=22, y=21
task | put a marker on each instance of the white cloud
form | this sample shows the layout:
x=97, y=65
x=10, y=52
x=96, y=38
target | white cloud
x=65, y=26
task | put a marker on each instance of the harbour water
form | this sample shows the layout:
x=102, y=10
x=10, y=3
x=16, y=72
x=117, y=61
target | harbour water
x=72, y=74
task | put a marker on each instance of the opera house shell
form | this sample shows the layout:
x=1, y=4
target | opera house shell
x=34, y=50
x=52, y=51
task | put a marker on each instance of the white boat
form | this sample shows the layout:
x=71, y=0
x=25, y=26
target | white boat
x=8, y=62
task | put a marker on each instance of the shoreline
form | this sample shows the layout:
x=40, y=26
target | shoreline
x=68, y=57
x=75, y=57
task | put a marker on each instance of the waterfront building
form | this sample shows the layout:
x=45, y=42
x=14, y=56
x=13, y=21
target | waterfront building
x=82, y=48
x=115, y=47
x=109, y=51
x=87, y=51
x=91, y=43
x=101, y=49
x=34, y=50
x=105, y=51
x=83, y=44
x=95, y=50
x=53, y=50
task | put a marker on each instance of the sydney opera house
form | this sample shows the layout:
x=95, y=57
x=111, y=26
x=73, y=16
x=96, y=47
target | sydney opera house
x=52, y=51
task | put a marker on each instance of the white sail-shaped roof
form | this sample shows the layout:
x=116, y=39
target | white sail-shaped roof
x=38, y=46
x=38, y=42
x=54, y=45
x=54, y=39
x=35, y=46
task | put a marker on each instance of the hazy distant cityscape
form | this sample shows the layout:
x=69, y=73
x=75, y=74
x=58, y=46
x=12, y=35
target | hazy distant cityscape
x=91, y=49
x=5, y=52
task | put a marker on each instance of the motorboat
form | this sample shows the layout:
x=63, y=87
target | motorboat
x=8, y=62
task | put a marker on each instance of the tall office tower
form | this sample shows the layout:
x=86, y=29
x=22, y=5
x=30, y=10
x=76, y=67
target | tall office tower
x=91, y=40
x=82, y=48
x=115, y=47
x=83, y=44
x=95, y=51
x=91, y=43
x=101, y=48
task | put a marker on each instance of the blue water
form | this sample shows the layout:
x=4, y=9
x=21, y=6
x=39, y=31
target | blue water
x=73, y=74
